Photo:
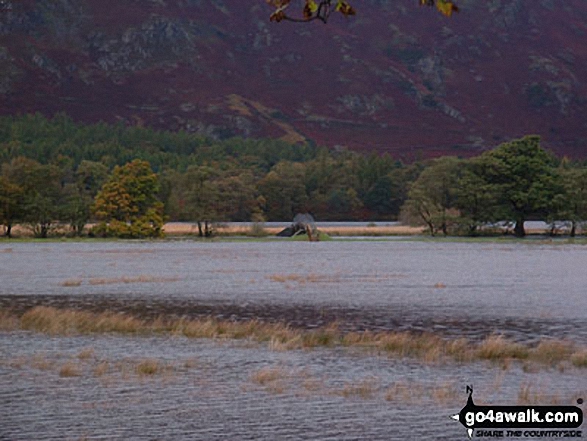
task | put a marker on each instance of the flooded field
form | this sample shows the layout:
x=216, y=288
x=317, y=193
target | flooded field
x=107, y=386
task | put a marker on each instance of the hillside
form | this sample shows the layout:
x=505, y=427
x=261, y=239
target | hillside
x=395, y=78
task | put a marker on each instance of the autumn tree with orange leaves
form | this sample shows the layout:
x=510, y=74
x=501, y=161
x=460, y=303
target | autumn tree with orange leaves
x=322, y=9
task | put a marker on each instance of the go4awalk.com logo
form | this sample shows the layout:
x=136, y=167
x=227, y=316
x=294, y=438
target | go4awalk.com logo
x=520, y=421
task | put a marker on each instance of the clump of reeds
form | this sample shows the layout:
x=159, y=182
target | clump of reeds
x=496, y=347
x=364, y=388
x=101, y=369
x=427, y=347
x=68, y=321
x=69, y=369
x=266, y=375
x=552, y=351
x=8, y=321
x=71, y=282
x=271, y=379
x=86, y=354
x=579, y=359
x=150, y=367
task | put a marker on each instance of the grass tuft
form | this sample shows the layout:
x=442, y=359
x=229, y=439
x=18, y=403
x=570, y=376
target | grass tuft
x=267, y=375
x=101, y=369
x=365, y=389
x=69, y=370
x=86, y=354
x=496, y=347
x=552, y=351
x=579, y=359
x=150, y=367
x=71, y=282
x=8, y=321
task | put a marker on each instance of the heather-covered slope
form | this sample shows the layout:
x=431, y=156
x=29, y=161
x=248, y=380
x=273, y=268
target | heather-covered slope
x=395, y=78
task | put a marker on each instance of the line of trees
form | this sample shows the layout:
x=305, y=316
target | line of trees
x=515, y=182
x=129, y=180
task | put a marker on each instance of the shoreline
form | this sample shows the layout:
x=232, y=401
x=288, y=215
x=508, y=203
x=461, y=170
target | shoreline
x=261, y=231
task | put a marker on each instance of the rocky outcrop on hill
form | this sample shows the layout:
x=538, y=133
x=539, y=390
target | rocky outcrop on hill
x=394, y=78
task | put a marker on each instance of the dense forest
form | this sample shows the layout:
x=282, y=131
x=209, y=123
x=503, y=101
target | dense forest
x=129, y=180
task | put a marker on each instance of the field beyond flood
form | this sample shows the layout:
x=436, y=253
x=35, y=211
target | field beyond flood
x=283, y=340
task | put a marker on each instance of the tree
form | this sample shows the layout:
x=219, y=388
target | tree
x=10, y=204
x=322, y=9
x=284, y=192
x=78, y=196
x=522, y=173
x=432, y=197
x=572, y=202
x=476, y=198
x=127, y=204
x=201, y=198
x=40, y=191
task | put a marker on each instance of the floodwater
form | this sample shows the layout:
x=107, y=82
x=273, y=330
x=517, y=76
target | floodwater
x=470, y=289
x=208, y=389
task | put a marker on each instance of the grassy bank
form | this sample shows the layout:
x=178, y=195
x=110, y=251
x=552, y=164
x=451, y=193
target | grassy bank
x=280, y=337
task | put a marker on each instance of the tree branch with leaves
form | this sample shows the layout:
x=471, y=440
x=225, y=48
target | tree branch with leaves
x=322, y=9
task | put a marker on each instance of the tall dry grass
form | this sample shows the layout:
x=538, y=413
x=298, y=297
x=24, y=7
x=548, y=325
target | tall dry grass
x=278, y=336
x=8, y=321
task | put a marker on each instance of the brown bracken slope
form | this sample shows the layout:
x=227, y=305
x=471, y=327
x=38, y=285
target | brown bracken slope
x=395, y=78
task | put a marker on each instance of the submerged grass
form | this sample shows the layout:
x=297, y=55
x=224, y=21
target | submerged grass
x=426, y=347
x=70, y=369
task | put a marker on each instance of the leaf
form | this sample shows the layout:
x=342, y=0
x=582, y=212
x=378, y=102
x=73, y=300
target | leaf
x=279, y=4
x=344, y=8
x=446, y=7
x=310, y=9
x=277, y=16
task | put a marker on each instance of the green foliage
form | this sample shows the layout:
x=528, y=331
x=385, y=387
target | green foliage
x=37, y=190
x=10, y=204
x=432, y=197
x=514, y=182
x=127, y=204
x=522, y=174
x=571, y=203
x=284, y=191
x=78, y=167
x=476, y=199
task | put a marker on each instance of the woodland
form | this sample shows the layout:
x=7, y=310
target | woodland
x=127, y=181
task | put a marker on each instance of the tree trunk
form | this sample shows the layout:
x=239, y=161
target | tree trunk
x=552, y=231
x=573, y=228
x=44, y=231
x=8, y=232
x=519, y=228
x=207, y=229
x=79, y=228
x=200, y=232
